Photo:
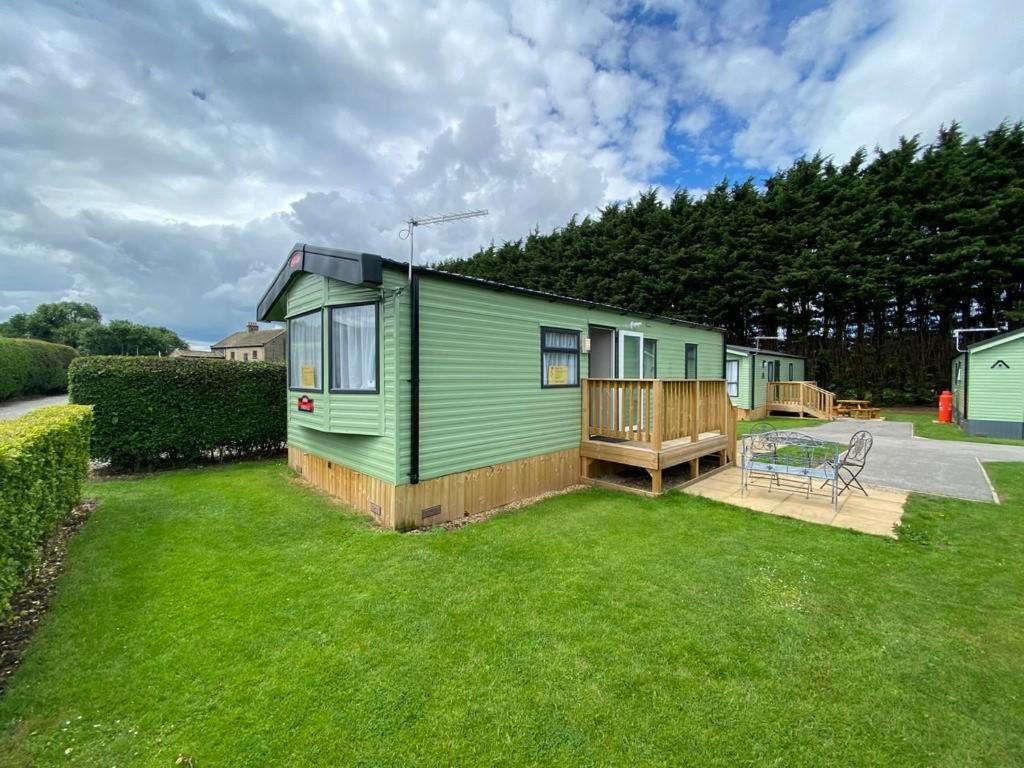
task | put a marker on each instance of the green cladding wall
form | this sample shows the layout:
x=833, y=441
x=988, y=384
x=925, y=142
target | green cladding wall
x=988, y=393
x=481, y=400
x=742, y=397
x=760, y=362
x=753, y=390
x=480, y=373
x=357, y=430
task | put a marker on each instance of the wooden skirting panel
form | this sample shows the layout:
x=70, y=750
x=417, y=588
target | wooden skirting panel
x=368, y=494
x=751, y=414
x=483, y=489
x=441, y=499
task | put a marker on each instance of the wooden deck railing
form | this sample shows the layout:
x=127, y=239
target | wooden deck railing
x=802, y=394
x=656, y=411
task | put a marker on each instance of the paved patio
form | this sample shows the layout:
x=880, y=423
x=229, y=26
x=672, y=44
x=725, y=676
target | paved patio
x=878, y=513
x=899, y=460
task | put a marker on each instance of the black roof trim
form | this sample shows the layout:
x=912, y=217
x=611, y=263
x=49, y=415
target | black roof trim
x=367, y=269
x=587, y=303
x=756, y=351
x=347, y=266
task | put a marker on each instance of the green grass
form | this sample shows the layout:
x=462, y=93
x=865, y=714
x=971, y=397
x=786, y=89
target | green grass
x=231, y=615
x=779, y=422
x=926, y=426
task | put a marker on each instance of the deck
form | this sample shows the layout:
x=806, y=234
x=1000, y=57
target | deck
x=800, y=398
x=656, y=424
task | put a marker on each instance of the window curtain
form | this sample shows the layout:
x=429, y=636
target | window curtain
x=554, y=344
x=732, y=377
x=305, y=340
x=354, y=348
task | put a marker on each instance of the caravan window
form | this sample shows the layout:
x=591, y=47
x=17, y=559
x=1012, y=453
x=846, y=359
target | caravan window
x=732, y=377
x=355, y=361
x=650, y=370
x=305, y=351
x=790, y=372
x=559, y=357
x=690, y=362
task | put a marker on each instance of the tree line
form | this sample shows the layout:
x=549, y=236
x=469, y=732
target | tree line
x=865, y=266
x=80, y=326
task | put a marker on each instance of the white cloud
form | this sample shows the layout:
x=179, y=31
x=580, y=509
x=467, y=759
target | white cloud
x=695, y=122
x=158, y=159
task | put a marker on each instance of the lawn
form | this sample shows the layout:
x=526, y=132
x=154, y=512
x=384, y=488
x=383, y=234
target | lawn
x=779, y=422
x=231, y=615
x=926, y=426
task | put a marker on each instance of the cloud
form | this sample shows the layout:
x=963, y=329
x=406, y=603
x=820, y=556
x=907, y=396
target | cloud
x=695, y=122
x=159, y=159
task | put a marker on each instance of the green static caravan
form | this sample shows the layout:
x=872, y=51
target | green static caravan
x=397, y=383
x=988, y=387
x=748, y=371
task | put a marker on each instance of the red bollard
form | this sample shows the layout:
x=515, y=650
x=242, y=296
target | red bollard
x=946, y=407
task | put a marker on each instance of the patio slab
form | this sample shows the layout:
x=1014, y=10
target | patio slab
x=878, y=513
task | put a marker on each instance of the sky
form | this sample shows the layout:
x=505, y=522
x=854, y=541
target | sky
x=160, y=159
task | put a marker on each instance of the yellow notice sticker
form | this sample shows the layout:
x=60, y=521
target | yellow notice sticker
x=558, y=375
x=307, y=375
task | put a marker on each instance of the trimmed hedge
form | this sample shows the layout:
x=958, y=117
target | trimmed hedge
x=44, y=459
x=31, y=367
x=151, y=411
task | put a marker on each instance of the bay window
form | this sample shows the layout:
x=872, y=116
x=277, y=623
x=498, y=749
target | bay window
x=305, y=351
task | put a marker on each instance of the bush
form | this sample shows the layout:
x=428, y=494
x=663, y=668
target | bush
x=29, y=367
x=44, y=459
x=151, y=411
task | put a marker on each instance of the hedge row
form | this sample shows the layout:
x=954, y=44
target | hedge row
x=30, y=367
x=151, y=411
x=44, y=459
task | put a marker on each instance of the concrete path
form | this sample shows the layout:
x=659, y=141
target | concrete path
x=12, y=409
x=901, y=461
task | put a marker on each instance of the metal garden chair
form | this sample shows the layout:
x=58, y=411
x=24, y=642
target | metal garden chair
x=851, y=462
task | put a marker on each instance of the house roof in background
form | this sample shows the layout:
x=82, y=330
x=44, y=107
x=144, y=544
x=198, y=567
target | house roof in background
x=195, y=353
x=755, y=351
x=248, y=338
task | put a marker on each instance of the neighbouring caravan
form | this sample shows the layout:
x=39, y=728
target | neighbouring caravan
x=424, y=400
x=762, y=381
x=988, y=387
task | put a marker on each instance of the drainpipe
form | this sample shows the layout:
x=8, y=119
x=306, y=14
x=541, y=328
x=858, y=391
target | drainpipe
x=414, y=381
x=753, y=379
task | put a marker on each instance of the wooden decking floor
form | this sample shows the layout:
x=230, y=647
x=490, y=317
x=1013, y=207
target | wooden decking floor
x=637, y=453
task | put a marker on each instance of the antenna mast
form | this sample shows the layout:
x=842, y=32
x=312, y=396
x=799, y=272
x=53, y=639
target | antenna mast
x=424, y=221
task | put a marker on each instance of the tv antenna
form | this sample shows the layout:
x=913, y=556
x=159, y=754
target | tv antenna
x=759, y=339
x=424, y=221
x=958, y=333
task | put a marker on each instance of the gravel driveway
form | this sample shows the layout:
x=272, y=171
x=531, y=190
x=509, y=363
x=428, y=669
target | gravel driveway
x=941, y=467
x=12, y=409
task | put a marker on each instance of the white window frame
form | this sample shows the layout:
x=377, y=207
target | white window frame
x=293, y=374
x=376, y=349
x=732, y=385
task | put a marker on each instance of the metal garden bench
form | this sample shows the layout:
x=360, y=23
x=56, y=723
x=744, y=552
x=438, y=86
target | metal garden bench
x=798, y=461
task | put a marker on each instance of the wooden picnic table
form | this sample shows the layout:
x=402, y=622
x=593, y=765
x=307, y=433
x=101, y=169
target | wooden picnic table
x=857, y=409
